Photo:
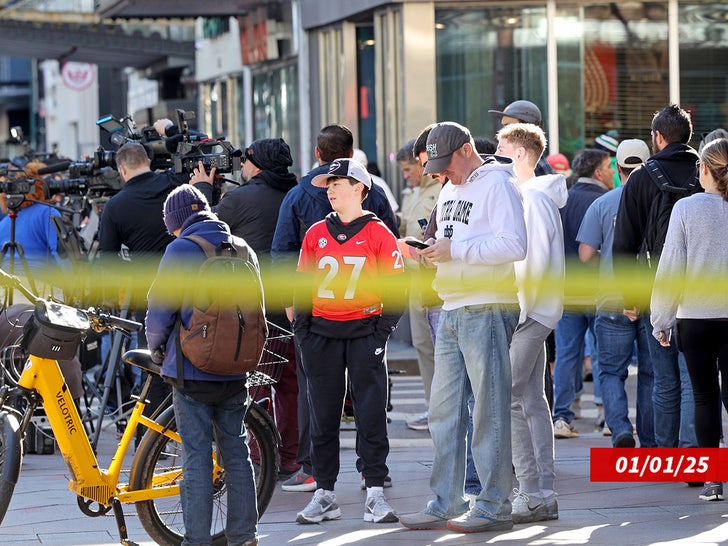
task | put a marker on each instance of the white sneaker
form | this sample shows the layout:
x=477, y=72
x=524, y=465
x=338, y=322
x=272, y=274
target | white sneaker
x=419, y=423
x=529, y=508
x=322, y=506
x=377, y=510
x=564, y=429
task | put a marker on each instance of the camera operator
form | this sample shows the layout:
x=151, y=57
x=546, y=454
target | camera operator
x=251, y=211
x=36, y=236
x=34, y=232
x=133, y=218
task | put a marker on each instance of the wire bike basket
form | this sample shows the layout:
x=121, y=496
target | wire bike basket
x=271, y=364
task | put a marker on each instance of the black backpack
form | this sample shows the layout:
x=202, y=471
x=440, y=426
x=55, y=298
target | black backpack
x=228, y=328
x=658, y=217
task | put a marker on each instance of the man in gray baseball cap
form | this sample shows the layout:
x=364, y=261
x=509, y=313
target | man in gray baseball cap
x=524, y=111
x=443, y=141
x=480, y=233
x=520, y=111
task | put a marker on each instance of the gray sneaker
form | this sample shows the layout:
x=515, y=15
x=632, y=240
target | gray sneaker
x=712, y=491
x=322, y=507
x=476, y=520
x=377, y=510
x=530, y=508
x=300, y=481
x=423, y=520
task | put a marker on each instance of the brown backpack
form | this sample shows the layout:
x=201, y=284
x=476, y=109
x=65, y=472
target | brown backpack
x=227, y=329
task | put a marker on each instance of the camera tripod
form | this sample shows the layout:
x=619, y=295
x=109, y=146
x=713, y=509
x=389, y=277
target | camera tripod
x=12, y=246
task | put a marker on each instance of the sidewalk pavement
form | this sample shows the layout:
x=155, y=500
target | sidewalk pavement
x=43, y=511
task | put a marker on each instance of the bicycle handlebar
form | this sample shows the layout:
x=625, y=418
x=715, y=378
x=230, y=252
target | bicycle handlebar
x=11, y=281
x=99, y=321
x=105, y=321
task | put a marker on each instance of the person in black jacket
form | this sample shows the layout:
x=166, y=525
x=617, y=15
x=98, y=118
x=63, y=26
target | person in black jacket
x=672, y=395
x=133, y=218
x=251, y=211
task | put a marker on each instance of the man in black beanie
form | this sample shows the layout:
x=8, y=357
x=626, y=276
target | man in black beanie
x=251, y=211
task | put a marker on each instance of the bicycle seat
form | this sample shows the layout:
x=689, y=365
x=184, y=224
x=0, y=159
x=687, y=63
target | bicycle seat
x=142, y=358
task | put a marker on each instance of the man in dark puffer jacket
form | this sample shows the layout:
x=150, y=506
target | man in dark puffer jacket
x=251, y=211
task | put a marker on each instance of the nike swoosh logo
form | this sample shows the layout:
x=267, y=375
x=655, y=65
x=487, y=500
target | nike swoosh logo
x=378, y=351
x=360, y=242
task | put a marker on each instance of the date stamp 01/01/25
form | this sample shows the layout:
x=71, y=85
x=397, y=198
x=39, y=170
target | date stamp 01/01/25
x=658, y=464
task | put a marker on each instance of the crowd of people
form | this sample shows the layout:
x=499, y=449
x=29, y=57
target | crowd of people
x=490, y=236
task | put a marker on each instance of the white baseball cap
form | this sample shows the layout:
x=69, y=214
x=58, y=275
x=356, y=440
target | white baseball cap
x=632, y=153
x=341, y=168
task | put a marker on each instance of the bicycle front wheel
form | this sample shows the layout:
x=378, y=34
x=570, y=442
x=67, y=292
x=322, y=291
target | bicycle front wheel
x=10, y=460
x=160, y=464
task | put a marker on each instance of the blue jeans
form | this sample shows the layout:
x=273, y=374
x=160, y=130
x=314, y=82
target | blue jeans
x=471, y=357
x=198, y=425
x=472, y=481
x=591, y=349
x=616, y=337
x=672, y=397
x=569, y=363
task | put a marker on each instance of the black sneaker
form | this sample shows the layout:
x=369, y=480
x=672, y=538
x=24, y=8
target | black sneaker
x=624, y=440
x=712, y=491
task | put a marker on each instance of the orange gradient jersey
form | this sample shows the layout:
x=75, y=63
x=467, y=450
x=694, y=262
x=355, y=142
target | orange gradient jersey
x=346, y=268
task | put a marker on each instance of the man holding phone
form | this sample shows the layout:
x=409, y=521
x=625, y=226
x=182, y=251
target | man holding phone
x=481, y=232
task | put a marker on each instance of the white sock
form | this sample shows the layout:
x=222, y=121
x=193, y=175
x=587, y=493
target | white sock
x=375, y=492
x=546, y=493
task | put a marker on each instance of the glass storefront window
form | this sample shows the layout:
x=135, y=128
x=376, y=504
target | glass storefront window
x=275, y=108
x=618, y=54
x=365, y=77
x=487, y=58
x=703, y=31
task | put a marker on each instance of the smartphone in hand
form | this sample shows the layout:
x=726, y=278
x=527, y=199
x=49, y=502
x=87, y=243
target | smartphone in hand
x=415, y=243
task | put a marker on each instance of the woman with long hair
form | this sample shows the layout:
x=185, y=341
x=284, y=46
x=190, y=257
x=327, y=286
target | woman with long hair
x=690, y=294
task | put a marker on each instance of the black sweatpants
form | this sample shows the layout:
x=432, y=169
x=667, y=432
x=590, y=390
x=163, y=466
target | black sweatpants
x=326, y=362
x=704, y=343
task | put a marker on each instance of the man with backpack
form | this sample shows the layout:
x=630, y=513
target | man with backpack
x=640, y=229
x=207, y=405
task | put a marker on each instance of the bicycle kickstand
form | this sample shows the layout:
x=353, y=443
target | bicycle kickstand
x=121, y=523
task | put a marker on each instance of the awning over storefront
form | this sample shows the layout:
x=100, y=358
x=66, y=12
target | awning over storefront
x=131, y=9
x=97, y=44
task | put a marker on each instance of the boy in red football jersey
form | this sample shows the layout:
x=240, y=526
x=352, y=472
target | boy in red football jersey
x=344, y=315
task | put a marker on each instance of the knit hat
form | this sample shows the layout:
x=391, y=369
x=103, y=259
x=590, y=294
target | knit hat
x=269, y=153
x=183, y=202
x=607, y=143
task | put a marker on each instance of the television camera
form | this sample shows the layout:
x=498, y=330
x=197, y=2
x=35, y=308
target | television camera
x=217, y=153
x=124, y=130
x=94, y=177
x=14, y=184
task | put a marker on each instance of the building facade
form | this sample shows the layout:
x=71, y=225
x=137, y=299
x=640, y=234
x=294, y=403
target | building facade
x=389, y=68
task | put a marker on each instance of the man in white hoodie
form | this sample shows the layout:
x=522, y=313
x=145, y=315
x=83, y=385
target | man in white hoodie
x=540, y=294
x=481, y=232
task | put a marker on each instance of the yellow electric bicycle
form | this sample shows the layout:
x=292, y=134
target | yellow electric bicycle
x=156, y=467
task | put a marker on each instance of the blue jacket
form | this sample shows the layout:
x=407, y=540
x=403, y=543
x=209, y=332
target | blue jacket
x=181, y=260
x=303, y=206
x=34, y=231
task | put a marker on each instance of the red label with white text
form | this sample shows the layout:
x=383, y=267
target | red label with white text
x=658, y=464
